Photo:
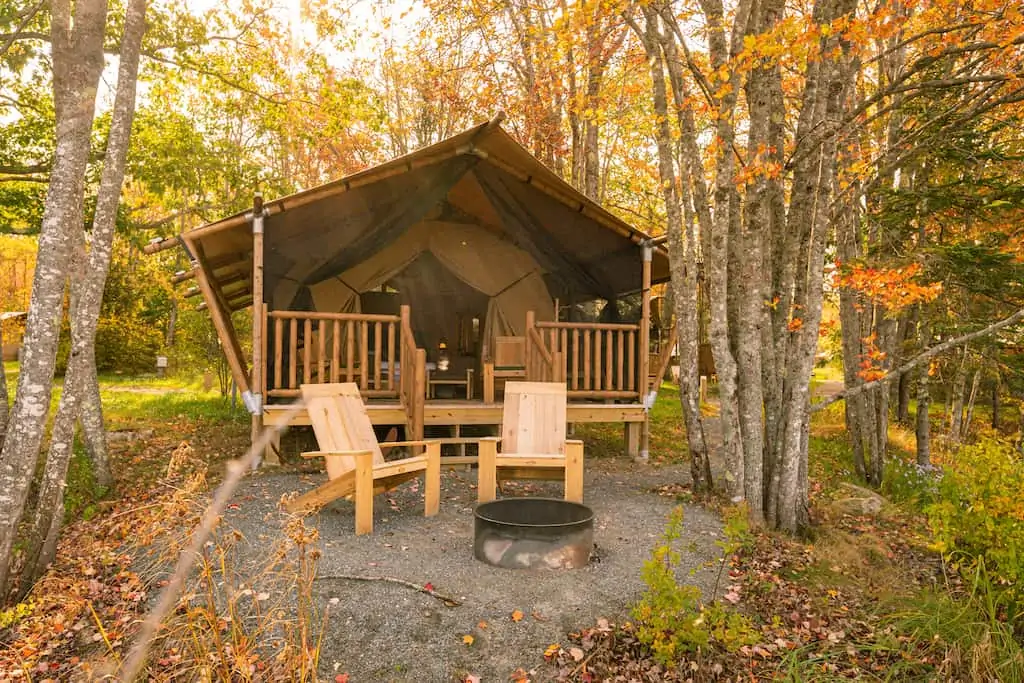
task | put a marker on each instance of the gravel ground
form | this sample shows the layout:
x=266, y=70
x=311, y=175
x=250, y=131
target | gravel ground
x=379, y=631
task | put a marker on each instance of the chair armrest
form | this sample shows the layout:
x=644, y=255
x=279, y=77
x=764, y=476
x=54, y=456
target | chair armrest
x=324, y=454
x=392, y=444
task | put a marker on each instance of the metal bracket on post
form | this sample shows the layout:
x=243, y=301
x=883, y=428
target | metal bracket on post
x=253, y=402
x=257, y=215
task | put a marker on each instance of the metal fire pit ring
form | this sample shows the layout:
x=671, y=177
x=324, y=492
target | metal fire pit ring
x=533, y=533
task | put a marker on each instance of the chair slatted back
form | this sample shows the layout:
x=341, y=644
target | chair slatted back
x=533, y=419
x=509, y=353
x=341, y=423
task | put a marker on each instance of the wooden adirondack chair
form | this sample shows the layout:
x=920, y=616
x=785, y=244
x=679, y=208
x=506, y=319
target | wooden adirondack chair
x=355, y=464
x=533, y=442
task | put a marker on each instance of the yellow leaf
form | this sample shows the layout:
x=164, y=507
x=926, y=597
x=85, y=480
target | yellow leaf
x=467, y=639
x=517, y=615
x=552, y=650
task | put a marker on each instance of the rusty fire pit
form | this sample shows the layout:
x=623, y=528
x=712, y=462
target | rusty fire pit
x=533, y=533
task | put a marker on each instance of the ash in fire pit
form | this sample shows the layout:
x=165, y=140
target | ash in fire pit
x=530, y=533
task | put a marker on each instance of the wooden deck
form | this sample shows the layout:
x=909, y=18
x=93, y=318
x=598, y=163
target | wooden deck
x=469, y=413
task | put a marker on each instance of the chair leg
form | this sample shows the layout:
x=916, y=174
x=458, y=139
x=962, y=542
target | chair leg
x=364, y=494
x=574, y=471
x=487, y=470
x=432, y=487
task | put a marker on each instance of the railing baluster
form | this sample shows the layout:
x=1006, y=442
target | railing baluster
x=350, y=350
x=564, y=350
x=621, y=343
x=364, y=353
x=597, y=360
x=608, y=350
x=376, y=355
x=278, y=352
x=336, y=351
x=321, y=350
x=632, y=360
x=586, y=359
x=307, y=349
x=293, y=356
x=575, y=360
x=391, y=356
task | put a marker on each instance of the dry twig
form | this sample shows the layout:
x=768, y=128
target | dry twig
x=448, y=601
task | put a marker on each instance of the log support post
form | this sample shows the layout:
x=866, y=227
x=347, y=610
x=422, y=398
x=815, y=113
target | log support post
x=649, y=393
x=254, y=401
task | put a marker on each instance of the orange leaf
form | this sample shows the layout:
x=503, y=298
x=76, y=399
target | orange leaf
x=517, y=615
x=467, y=639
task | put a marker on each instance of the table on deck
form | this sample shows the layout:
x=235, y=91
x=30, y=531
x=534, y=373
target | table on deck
x=450, y=379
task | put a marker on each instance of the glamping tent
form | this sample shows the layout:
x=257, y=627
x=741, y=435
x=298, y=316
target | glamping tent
x=473, y=238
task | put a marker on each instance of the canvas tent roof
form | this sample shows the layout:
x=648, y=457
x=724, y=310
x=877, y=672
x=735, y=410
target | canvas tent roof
x=479, y=189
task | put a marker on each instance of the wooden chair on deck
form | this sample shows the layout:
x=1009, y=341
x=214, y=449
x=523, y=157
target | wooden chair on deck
x=508, y=362
x=355, y=463
x=533, y=442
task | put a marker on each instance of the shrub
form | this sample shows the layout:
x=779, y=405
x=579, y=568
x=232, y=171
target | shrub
x=671, y=619
x=906, y=481
x=978, y=520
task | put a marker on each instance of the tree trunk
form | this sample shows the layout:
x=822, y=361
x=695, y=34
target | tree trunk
x=922, y=430
x=723, y=223
x=966, y=430
x=813, y=182
x=995, y=404
x=77, y=56
x=956, y=403
x=4, y=405
x=682, y=257
x=94, y=433
x=88, y=281
x=903, y=399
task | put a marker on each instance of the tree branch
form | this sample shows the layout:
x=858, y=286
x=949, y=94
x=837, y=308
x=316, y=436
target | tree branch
x=23, y=169
x=920, y=358
x=26, y=16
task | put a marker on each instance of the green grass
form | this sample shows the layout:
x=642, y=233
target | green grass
x=668, y=440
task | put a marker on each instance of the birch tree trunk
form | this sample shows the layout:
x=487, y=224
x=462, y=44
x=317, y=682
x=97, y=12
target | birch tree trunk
x=969, y=416
x=77, y=56
x=813, y=182
x=716, y=259
x=88, y=281
x=4, y=404
x=956, y=406
x=682, y=248
x=922, y=429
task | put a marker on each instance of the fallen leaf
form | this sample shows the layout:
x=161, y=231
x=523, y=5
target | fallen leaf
x=467, y=639
x=552, y=650
x=341, y=678
x=517, y=615
x=471, y=678
x=576, y=653
x=538, y=616
x=429, y=586
x=482, y=624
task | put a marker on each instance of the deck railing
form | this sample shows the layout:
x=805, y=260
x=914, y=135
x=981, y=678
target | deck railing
x=377, y=352
x=596, y=360
x=318, y=348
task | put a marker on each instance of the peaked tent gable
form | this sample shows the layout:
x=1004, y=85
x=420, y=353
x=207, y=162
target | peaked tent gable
x=480, y=175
